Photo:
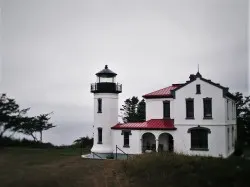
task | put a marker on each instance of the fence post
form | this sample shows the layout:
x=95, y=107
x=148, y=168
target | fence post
x=116, y=152
x=81, y=145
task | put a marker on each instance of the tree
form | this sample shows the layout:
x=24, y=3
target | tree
x=83, y=142
x=141, y=111
x=27, y=126
x=32, y=125
x=133, y=110
x=13, y=119
x=42, y=124
x=10, y=114
x=243, y=116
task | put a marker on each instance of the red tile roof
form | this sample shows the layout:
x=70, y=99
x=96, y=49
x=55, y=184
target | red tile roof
x=162, y=93
x=153, y=124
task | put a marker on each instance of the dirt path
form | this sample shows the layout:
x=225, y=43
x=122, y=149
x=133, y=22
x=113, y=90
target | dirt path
x=109, y=174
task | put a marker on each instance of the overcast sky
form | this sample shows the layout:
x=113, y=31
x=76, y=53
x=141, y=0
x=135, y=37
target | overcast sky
x=51, y=50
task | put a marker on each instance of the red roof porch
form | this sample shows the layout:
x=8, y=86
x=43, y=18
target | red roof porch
x=153, y=124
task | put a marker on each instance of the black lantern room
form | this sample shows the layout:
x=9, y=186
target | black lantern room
x=106, y=82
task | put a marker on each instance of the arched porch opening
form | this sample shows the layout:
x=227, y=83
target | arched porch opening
x=148, y=142
x=166, y=142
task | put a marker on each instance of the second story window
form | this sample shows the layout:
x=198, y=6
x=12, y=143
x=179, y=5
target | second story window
x=99, y=109
x=166, y=109
x=99, y=135
x=232, y=136
x=207, y=108
x=227, y=110
x=198, y=89
x=190, y=108
x=233, y=111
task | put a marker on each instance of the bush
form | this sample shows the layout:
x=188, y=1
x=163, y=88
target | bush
x=238, y=149
x=11, y=142
x=110, y=156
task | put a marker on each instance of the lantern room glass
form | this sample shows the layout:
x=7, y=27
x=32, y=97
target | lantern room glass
x=105, y=79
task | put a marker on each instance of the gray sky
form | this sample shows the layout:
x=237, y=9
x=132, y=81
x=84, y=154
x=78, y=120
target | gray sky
x=51, y=50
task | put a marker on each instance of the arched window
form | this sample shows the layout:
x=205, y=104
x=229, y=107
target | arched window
x=199, y=138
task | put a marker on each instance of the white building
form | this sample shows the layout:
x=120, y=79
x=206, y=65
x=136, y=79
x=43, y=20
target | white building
x=195, y=118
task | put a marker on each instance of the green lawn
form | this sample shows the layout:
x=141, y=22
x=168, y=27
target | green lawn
x=54, y=167
x=64, y=168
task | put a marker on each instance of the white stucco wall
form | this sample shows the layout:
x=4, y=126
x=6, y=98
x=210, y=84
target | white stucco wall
x=135, y=140
x=207, y=90
x=217, y=141
x=220, y=143
x=154, y=108
x=231, y=116
x=231, y=138
x=105, y=120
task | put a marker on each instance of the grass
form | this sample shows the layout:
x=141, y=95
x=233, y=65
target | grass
x=64, y=168
x=173, y=170
x=22, y=167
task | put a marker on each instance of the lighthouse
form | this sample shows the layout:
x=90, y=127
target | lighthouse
x=106, y=91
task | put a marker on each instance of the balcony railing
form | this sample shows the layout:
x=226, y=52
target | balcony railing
x=106, y=87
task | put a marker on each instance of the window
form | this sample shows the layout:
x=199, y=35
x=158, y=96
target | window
x=207, y=108
x=166, y=109
x=198, y=89
x=232, y=110
x=99, y=135
x=228, y=137
x=227, y=111
x=199, y=138
x=126, y=134
x=99, y=110
x=189, y=108
x=232, y=136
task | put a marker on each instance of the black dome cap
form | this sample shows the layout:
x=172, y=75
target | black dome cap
x=106, y=72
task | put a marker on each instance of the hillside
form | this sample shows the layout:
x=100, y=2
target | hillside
x=64, y=168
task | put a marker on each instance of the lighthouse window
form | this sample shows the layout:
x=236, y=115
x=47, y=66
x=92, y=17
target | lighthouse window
x=99, y=135
x=99, y=106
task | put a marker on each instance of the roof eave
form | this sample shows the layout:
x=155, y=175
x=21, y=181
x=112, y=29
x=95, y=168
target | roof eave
x=106, y=74
x=134, y=128
x=156, y=96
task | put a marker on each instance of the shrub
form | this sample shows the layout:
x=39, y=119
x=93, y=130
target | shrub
x=238, y=149
x=11, y=142
x=110, y=156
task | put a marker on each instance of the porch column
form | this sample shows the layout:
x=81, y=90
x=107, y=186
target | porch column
x=156, y=144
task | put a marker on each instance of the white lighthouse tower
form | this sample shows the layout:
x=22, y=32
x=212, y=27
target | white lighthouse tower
x=106, y=92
